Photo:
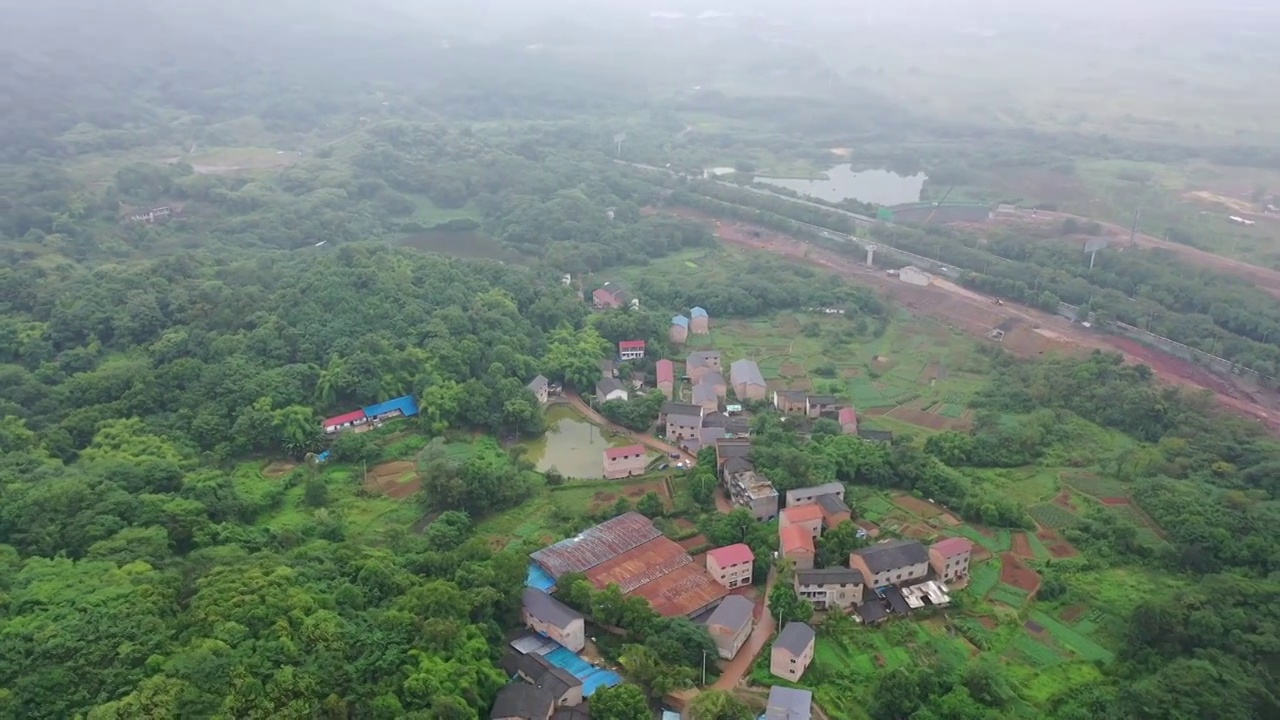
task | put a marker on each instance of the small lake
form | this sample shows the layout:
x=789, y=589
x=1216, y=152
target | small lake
x=460, y=244
x=571, y=445
x=881, y=187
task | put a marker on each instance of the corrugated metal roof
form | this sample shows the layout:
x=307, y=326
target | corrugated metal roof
x=682, y=592
x=406, y=405
x=680, y=320
x=698, y=312
x=640, y=565
x=596, y=545
x=344, y=418
x=631, y=345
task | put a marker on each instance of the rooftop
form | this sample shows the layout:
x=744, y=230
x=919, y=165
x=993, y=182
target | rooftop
x=596, y=544
x=631, y=345
x=951, y=547
x=732, y=554
x=794, y=538
x=831, y=504
x=608, y=385
x=802, y=513
x=698, y=358
x=705, y=392
x=746, y=371
x=680, y=320
x=682, y=592
x=684, y=420
x=405, y=404
x=734, y=612
x=788, y=704
x=795, y=638
x=698, y=312
x=829, y=576
x=735, y=465
x=893, y=554
x=675, y=408
x=756, y=486
x=624, y=451
x=640, y=565
x=538, y=383
x=816, y=490
x=666, y=371
x=519, y=700
x=822, y=399
x=344, y=418
x=548, y=609
x=847, y=415
x=731, y=448
x=872, y=611
x=794, y=396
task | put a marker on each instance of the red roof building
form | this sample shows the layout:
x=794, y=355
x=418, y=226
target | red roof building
x=796, y=544
x=631, y=349
x=666, y=372
x=950, y=558
x=732, y=555
x=337, y=422
x=621, y=452
x=848, y=421
x=952, y=547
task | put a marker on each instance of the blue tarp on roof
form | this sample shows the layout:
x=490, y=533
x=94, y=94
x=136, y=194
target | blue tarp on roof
x=539, y=578
x=592, y=677
x=680, y=320
x=406, y=405
x=324, y=456
x=698, y=312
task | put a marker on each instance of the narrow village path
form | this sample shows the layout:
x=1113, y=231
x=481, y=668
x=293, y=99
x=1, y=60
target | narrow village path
x=662, y=446
x=740, y=666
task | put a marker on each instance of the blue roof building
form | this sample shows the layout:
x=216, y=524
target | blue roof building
x=698, y=312
x=406, y=406
x=680, y=320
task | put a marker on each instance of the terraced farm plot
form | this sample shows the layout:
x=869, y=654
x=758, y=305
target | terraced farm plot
x=1039, y=654
x=1011, y=596
x=983, y=578
x=1072, y=639
x=1095, y=485
x=1052, y=516
x=997, y=541
x=876, y=509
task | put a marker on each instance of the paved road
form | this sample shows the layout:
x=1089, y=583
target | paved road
x=740, y=666
x=648, y=441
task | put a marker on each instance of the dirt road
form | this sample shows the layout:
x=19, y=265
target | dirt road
x=648, y=441
x=740, y=665
x=1028, y=332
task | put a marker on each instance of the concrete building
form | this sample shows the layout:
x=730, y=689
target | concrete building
x=750, y=490
x=665, y=371
x=630, y=350
x=810, y=495
x=892, y=562
x=700, y=323
x=791, y=654
x=610, y=389
x=834, y=511
x=829, y=588
x=731, y=565
x=548, y=616
x=848, y=419
x=683, y=427
x=816, y=405
x=789, y=402
x=788, y=704
x=701, y=361
x=679, y=332
x=950, y=558
x=913, y=275
x=706, y=396
x=521, y=701
x=748, y=383
x=541, y=389
x=612, y=294
x=565, y=688
x=808, y=517
x=625, y=461
x=730, y=625
x=796, y=544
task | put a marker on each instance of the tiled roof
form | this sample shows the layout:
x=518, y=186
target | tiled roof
x=829, y=576
x=893, y=554
x=795, y=638
x=631, y=345
x=675, y=408
x=548, y=609
x=734, y=612
x=680, y=320
x=538, y=383
x=789, y=704
x=666, y=371
x=832, y=504
x=802, y=513
x=698, y=312
x=732, y=554
x=848, y=415
x=596, y=544
x=519, y=700
x=745, y=371
x=822, y=399
x=344, y=418
x=608, y=385
x=700, y=357
x=951, y=547
x=794, y=538
x=625, y=450
x=705, y=392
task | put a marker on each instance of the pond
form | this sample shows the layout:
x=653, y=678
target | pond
x=881, y=187
x=459, y=244
x=571, y=445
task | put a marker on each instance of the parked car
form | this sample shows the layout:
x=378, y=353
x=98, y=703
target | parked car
x=673, y=455
x=664, y=466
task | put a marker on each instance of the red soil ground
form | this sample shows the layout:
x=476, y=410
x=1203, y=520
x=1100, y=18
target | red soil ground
x=1073, y=613
x=1013, y=572
x=1022, y=546
x=1114, y=501
x=1058, y=547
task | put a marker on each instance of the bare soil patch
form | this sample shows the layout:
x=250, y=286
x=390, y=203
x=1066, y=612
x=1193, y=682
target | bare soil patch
x=1058, y=547
x=791, y=370
x=872, y=529
x=850, y=372
x=949, y=520
x=985, y=531
x=397, y=480
x=1073, y=613
x=278, y=468
x=684, y=523
x=1063, y=500
x=1114, y=501
x=693, y=542
x=979, y=554
x=917, y=532
x=1016, y=574
x=926, y=419
x=915, y=505
x=1022, y=546
x=988, y=622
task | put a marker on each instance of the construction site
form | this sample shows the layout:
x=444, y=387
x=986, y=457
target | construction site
x=1022, y=331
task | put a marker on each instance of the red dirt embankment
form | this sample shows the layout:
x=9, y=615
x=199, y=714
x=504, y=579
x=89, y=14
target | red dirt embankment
x=1036, y=332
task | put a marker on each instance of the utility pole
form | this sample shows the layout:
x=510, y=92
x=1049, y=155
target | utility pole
x=1133, y=232
x=704, y=667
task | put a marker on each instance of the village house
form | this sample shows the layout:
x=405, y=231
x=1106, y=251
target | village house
x=730, y=625
x=625, y=461
x=796, y=544
x=808, y=517
x=610, y=295
x=699, y=323
x=748, y=489
x=610, y=389
x=731, y=448
x=891, y=563
x=809, y=495
x=608, y=367
x=715, y=380
x=630, y=350
x=788, y=704
x=540, y=387
x=731, y=565
x=835, y=512
x=683, y=427
x=566, y=690
x=748, y=383
x=548, y=616
x=735, y=427
x=816, y=405
x=679, y=331
x=346, y=421
x=700, y=362
x=789, y=402
x=791, y=654
x=675, y=408
x=520, y=701
x=848, y=419
x=706, y=397
x=372, y=415
x=827, y=588
x=665, y=371
x=950, y=558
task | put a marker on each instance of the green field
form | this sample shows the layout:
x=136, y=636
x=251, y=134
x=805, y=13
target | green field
x=1052, y=516
x=1095, y=485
